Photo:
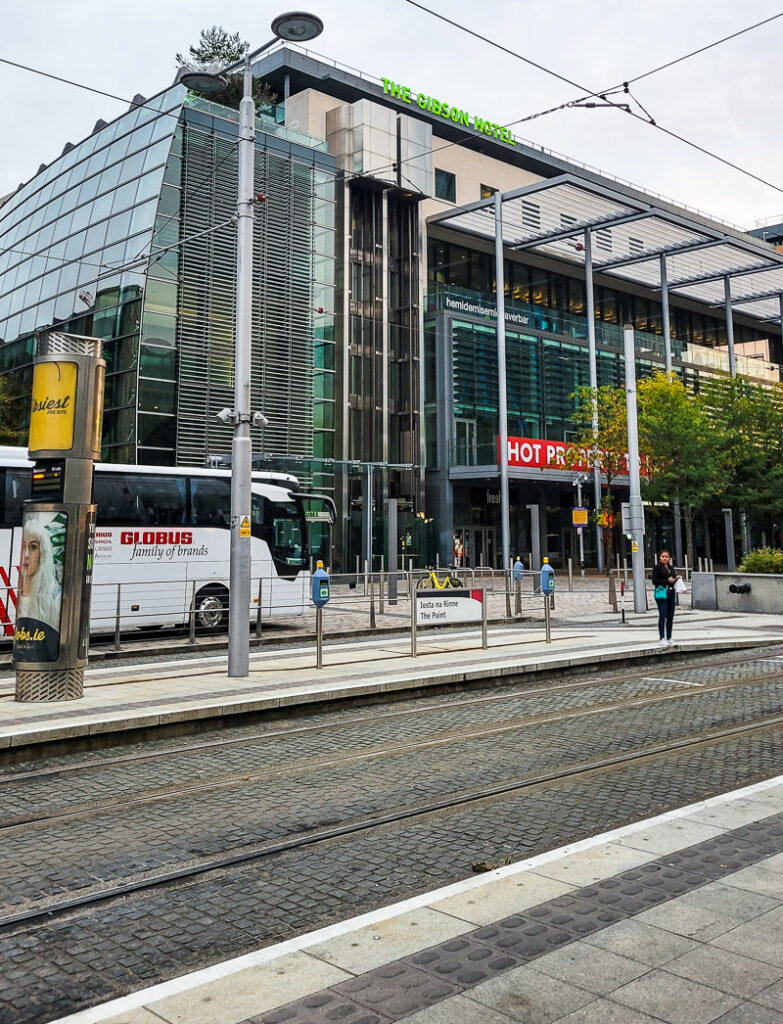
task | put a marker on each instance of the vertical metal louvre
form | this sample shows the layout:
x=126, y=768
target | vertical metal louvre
x=283, y=314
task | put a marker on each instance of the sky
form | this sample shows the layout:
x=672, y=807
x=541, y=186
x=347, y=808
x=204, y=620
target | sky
x=725, y=100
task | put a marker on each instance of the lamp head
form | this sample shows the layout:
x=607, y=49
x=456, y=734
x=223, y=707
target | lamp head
x=208, y=81
x=297, y=26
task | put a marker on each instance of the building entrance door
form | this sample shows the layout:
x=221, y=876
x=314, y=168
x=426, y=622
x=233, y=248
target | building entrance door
x=477, y=546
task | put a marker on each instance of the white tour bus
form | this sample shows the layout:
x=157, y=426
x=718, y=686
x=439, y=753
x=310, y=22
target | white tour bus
x=162, y=539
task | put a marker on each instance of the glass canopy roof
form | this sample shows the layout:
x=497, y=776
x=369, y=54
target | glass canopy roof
x=633, y=238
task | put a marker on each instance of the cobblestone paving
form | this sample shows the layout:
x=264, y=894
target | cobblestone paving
x=31, y=797
x=49, y=860
x=87, y=957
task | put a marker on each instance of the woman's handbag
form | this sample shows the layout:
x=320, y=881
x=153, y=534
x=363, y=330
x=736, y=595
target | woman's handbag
x=661, y=592
x=679, y=585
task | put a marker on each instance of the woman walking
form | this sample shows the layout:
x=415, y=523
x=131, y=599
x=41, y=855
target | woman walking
x=664, y=576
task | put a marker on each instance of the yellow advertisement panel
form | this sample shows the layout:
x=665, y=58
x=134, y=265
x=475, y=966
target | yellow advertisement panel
x=54, y=402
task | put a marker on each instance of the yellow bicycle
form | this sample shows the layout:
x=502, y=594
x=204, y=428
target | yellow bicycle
x=431, y=582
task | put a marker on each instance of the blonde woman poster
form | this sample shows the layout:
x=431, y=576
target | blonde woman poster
x=40, y=598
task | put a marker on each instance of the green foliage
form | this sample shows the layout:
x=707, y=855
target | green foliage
x=217, y=47
x=11, y=431
x=747, y=419
x=682, y=452
x=608, y=445
x=766, y=560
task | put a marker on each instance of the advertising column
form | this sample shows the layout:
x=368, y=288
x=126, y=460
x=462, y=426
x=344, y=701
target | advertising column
x=58, y=523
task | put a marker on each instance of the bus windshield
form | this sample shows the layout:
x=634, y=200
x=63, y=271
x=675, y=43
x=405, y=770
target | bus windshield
x=282, y=525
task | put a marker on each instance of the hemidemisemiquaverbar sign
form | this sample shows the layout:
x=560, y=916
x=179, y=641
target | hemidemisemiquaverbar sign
x=447, y=111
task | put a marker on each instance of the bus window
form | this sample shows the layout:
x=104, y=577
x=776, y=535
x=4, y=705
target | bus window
x=210, y=501
x=16, y=490
x=148, y=499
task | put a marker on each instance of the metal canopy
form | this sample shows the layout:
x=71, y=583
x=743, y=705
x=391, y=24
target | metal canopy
x=631, y=238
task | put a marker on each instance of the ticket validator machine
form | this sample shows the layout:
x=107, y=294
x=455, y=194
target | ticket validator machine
x=58, y=525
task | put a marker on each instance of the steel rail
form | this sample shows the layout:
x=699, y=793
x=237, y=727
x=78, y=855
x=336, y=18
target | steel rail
x=48, y=912
x=265, y=734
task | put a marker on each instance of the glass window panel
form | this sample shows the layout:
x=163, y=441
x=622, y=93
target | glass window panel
x=88, y=190
x=161, y=296
x=95, y=237
x=119, y=227
x=132, y=166
x=125, y=196
x=323, y=385
x=156, y=155
x=148, y=187
x=120, y=388
x=156, y=396
x=101, y=208
x=81, y=218
x=158, y=431
x=169, y=200
x=142, y=217
x=120, y=355
x=159, y=328
x=158, y=362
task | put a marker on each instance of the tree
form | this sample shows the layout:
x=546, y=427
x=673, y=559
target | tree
x=10, y=430
x=607, y=447
x=682, y=449
x=217, y=46
x=749, y=419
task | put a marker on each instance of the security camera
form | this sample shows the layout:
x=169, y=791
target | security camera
x=259, y=420
x=226, y=416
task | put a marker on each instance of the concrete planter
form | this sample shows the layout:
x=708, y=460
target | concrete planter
x=727, y=592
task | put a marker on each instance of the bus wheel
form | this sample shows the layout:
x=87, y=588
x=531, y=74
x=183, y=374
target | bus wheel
x=212, y=608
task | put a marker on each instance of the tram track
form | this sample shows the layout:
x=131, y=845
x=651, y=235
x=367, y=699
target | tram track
x=55, y=908
x=279, y=773
x=426, y=706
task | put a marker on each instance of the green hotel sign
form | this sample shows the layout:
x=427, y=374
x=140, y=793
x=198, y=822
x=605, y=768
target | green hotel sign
x=447, y=111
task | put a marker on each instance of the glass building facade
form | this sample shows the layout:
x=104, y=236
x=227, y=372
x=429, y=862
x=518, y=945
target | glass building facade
x=128, y=237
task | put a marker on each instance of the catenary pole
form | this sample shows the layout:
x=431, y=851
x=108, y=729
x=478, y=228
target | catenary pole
x=593, y=367
x=502, y=400
x=634, y=476
x=241, y=454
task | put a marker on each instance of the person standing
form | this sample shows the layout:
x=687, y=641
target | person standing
x=664, y=576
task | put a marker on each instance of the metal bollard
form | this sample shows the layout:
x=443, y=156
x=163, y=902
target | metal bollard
x=506, y=576
x=380, y=587
x=117, y=646
x=484, y=639
x=372, y=602
x=358, y=566
x=258, y=611
x=547, y=619
x=570, y=575
x=192, y=638
x=413, y=625
x=366, y=577
x=319, y=638
x=518, y=597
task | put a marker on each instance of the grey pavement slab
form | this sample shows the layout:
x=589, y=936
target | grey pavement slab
x=527, y=995
x=728, y=972
x=674, y=1000
x=643, y=942
x=588, y=967
x=761, y=938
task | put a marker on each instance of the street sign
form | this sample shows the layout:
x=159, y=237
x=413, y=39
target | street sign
x=244, y=527
x=578, y=516
x=435, y=609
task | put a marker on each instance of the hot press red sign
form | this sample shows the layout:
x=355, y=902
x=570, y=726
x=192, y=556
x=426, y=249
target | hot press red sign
x=533, y=453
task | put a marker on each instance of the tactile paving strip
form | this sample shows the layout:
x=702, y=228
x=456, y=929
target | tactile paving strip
x=404, y=987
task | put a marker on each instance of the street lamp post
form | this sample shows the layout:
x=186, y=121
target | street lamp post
x=294, y=26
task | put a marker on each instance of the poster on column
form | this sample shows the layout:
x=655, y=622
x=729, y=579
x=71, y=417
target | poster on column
x=40, y=595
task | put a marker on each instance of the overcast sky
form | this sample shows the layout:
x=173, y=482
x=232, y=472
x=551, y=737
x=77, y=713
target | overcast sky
x=726, y=100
